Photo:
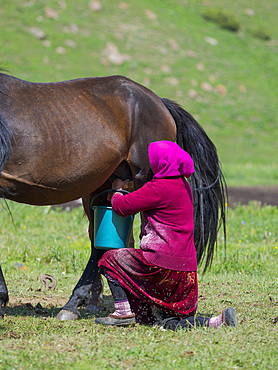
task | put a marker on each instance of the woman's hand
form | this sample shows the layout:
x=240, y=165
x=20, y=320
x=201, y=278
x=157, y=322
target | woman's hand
x=117, y=184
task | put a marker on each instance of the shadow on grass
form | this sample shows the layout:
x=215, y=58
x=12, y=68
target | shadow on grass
x=37, y=310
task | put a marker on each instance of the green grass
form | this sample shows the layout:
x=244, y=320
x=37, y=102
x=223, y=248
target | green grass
x=53, y=242
x=168, y=53
x=171, y=56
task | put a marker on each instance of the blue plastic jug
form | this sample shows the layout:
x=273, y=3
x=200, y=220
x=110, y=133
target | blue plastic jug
x=111, y=231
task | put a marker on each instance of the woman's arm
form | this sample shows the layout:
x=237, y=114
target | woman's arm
x=142, y=199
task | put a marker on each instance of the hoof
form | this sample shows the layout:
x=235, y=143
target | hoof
x=65, y=315
x=93, y=309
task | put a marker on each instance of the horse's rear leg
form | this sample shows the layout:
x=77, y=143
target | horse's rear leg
x=123, y=171
x=96, y=298
x=81, y=292
x=4, y=297
x=91, y=281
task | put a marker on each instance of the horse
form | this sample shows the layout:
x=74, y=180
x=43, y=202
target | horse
x=61, y=141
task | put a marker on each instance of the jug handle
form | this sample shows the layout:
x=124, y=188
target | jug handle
x=108, y=191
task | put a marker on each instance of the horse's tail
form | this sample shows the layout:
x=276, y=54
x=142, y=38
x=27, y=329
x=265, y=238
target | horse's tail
x=209, y=201
x=5, y=143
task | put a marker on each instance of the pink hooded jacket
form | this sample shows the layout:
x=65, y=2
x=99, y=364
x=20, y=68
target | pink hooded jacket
x=167, y=232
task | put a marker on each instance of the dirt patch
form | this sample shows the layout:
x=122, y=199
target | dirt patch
x=245, y=194
x=39, y=299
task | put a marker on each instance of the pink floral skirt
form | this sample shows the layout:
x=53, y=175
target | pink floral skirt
x=148, y=285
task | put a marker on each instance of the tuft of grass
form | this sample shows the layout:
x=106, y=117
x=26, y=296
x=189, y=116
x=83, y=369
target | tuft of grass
x=225, y=19
x=261, y=33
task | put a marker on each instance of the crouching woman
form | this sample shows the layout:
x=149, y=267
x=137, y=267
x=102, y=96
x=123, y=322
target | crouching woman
x=158, y=282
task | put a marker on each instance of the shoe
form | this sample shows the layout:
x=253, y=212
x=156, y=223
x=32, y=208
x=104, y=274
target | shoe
x=229, y=317
x=116, y=320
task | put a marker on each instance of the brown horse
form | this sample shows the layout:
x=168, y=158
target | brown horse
x=66, y=140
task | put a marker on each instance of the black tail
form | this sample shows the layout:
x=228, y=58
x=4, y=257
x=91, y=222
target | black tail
x=5, y=144
x=209, y=203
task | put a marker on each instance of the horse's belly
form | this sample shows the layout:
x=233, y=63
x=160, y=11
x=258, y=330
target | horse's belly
x=23, y=191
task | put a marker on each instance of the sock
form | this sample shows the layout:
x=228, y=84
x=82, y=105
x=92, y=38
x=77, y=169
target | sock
x=215, y=322
x=122, y=308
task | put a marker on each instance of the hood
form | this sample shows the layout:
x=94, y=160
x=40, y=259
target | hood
x=168, y=159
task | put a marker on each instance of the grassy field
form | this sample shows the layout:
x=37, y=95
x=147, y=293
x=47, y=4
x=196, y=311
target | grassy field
x=53, y=242
x=227, y=80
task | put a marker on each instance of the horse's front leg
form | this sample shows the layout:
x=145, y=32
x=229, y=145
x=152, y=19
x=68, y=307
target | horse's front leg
x=4, y=297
